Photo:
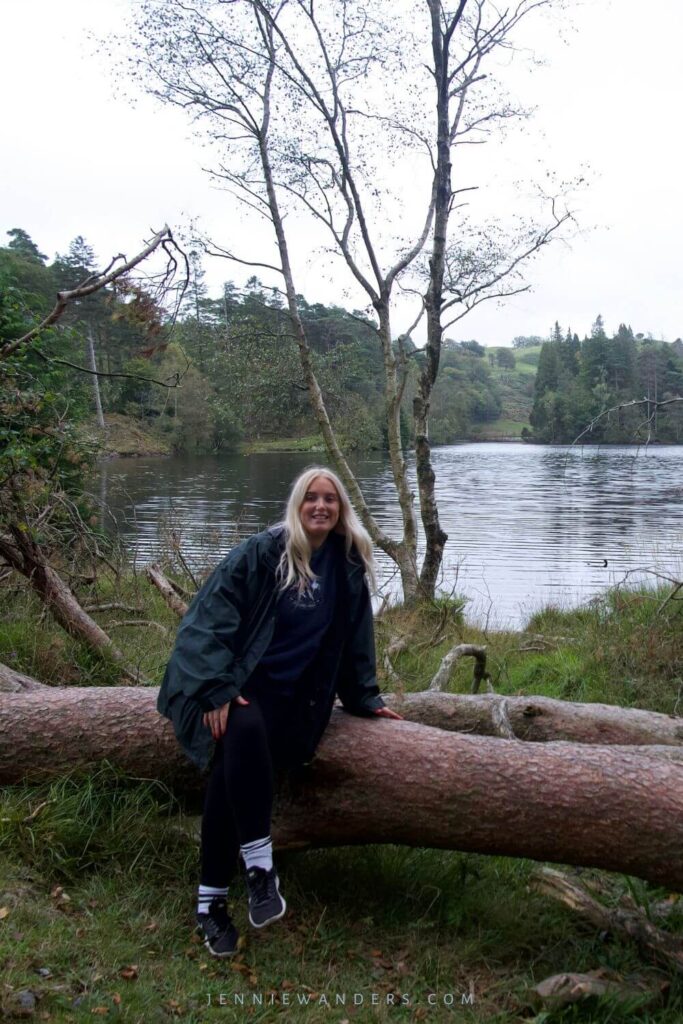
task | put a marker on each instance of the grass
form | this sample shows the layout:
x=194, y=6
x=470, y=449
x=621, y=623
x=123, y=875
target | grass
x=312, y=443
x=498, y=428
x=97, y=875
x=126, y=436
x=384, y=923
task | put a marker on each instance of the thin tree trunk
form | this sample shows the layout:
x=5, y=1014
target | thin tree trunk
x=172, y=599
x=435, y=536
x=376, y=781
x=95, y=379
x=399, y=551
x=26, y=558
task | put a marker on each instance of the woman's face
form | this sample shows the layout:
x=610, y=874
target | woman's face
x=319, y=511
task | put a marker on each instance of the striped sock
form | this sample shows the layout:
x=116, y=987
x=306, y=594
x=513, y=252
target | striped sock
x=206, y=893
x=258, y=853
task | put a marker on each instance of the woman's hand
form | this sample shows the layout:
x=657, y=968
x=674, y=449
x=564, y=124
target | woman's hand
x=387, y=713
x=217, y=720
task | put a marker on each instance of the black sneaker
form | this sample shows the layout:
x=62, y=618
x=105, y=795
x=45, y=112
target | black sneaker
x=265, y=902
x=217, y=930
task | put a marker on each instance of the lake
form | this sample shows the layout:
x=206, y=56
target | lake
x=527, y=525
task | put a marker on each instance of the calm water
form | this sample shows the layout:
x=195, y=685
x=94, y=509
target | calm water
x=527, y=525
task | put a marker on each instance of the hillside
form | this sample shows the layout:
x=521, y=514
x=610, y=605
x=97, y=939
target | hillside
x=516, y=390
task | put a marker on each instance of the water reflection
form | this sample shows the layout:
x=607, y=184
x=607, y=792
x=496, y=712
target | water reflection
x=526, y=525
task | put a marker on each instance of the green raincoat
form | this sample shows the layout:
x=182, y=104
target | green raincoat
x=229, y=626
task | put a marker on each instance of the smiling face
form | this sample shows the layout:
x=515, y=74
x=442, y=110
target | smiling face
x=320, y=510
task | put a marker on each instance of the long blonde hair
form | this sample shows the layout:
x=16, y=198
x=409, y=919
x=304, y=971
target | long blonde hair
x=295, y=563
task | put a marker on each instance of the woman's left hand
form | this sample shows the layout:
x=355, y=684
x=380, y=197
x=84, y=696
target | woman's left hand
x=387, y=713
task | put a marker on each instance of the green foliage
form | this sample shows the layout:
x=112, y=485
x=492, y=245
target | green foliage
x=21, y=244
x=505, y=357
x=465, y=393
x=577, y=383
x=41, y=451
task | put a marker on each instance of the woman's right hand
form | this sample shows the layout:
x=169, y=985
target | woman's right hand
x=217, y=720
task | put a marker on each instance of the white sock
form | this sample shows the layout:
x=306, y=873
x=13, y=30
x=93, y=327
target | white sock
x=205, y=894
x=258, y=853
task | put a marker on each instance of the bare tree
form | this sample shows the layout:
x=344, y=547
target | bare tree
x=305, y=113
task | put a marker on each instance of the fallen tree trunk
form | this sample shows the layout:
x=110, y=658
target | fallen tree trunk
x=16, y=682
x=375, y=781
x=538, y=719
x=26, y=557
x=630, y=921
x=167, y=590
x=535, y=719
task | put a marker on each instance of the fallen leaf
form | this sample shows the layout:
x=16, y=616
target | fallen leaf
x=116, y=998
x=4, y=911
x=100, y=1010
x=375, y=952
x=130, y=972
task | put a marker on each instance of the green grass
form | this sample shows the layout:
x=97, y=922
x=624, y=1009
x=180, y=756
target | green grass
x=312, y=443
x=499, y=428
x=97, y=875
x=430, y=925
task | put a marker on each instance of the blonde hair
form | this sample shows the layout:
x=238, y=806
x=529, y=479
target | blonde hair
x=295, y=563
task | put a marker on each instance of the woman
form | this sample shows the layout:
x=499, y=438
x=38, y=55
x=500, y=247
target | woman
x=282, y=624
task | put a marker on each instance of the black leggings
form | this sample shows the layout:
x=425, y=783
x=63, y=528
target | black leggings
x=239, y=796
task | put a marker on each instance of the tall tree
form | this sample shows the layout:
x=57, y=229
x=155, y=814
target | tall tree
x=22, y=244
x=302, y=100
x=70, y=270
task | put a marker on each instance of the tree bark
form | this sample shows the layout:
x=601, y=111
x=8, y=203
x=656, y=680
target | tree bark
x=375, y=781
x=92, y=361
x=165, y=588
x=538, y=719
x=26, y=557
x=16, y=682
x=629, y=921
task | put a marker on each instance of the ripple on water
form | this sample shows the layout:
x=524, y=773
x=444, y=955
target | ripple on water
x=527, y=525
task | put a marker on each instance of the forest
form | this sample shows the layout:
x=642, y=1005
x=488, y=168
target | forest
x=240, y=382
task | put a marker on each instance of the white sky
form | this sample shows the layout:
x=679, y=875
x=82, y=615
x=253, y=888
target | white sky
x=78, y=158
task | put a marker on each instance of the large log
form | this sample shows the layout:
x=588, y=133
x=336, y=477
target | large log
x=380, y=781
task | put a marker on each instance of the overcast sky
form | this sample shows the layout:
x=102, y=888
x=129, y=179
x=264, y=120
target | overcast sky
x=78, y=158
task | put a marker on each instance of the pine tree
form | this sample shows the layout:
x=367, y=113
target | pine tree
x=22, y=244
